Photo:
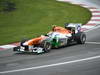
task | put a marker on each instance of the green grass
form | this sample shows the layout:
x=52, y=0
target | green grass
x=35, y=17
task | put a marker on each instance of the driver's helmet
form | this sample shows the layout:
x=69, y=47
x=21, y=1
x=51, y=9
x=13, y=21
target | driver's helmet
x=67, y=27
x=53, y=27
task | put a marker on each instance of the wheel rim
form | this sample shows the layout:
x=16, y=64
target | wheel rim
x=83, y=39
x=47, y=47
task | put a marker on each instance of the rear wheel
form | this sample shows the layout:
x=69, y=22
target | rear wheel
x=80, y=38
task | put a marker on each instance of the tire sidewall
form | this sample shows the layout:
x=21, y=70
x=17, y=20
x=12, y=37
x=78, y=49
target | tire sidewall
x=47, y=46
x=80, y=38
x=83, y=38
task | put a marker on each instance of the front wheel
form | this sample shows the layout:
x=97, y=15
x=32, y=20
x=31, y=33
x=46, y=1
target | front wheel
x=16, y=48
x=46, y=46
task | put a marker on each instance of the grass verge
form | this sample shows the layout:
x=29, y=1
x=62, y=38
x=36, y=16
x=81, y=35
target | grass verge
x=35, y=17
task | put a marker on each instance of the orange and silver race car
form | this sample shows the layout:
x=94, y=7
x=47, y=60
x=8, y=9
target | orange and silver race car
x=58, y=37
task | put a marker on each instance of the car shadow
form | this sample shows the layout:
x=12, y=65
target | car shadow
x=30, y=53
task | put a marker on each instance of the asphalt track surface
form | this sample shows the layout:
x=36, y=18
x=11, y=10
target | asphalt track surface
x=94, y=2
x=72, y=60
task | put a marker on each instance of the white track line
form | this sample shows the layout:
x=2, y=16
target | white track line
x=95, y=18
x=94, y=9
x=96, y=22
x=93, y=28
x=57, y=64
x=51, y=65
x=95, y=13
x=93, y=43
x=88, y=27
x=7, y=46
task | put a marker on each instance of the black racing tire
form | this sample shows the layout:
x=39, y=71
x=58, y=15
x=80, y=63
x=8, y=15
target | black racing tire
x=16, y=48
x=46, y=46
x=80, y=37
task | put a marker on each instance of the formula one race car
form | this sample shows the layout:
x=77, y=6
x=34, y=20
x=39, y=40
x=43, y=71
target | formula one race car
x=58, y=37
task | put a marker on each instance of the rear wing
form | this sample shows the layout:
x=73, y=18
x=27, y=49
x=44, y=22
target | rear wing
x=75, y=26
